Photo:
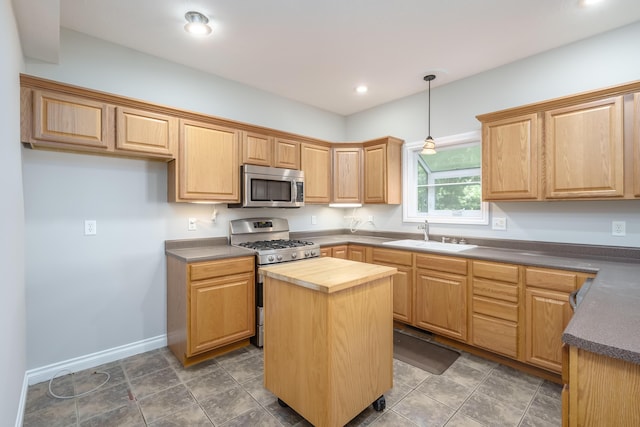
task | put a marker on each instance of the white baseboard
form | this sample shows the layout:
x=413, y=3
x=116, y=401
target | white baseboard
x=37, y=375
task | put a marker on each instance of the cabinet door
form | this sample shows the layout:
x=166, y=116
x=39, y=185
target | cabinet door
x=139, y=131
x=402, y=280
x=510, y=161
x=221, y=311
x=287, y=154
x=347, y=175
x=339, y=252
x=315, y=161
x=72, y=122
x=636, y=145
x=207, y=167
x=257, y=149
x=584, y=150
x=375, y=182
x=402, y=293
x=441, y=303
x=357, y=253
x=547, y=316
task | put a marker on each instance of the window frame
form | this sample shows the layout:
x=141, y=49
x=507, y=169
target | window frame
x=410, y=179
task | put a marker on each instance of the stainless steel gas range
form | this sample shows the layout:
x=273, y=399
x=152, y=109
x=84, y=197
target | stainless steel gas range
x=269, y=238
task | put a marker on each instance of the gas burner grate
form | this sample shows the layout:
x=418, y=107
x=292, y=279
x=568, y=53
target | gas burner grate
x=275, y=244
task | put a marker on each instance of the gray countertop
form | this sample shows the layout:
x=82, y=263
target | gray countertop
x=606, y=322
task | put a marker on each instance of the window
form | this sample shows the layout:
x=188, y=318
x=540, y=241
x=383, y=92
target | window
x=445, y=187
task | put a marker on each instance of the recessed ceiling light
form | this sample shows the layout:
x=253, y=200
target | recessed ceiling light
x=197, y=24
x=362, y=89
x=586, y=3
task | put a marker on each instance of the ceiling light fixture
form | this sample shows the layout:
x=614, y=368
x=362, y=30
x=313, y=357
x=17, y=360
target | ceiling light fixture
x=587, y=3
x=429, y=146
x=362, y=89
x=197, y=24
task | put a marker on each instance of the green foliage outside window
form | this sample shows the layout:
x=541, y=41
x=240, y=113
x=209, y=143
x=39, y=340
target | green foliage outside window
x=450, y=179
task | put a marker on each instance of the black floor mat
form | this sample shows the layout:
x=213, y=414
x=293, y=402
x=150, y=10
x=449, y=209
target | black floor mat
x=422, y=354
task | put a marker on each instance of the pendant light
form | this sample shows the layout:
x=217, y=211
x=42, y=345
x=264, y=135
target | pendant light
x=429, y=146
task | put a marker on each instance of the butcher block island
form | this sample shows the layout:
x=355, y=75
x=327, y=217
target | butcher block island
x=328, y=350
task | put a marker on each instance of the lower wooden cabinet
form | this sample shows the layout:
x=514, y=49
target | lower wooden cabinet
x=402, y=280
x=495, y=308
x=210, y=307
x=548, y=313
x=441, y=295
x=339, y=251
x=602, y=391
x=358, y=253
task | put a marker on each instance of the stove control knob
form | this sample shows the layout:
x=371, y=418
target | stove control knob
x=279, y=257
x=270, y=258
x=294, y=255
x=306, y=254
x=313, y=253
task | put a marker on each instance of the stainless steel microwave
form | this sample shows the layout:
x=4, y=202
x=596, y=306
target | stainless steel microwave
x=266, y=187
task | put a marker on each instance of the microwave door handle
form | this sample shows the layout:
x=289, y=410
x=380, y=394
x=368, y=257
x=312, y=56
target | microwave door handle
x=294, y=191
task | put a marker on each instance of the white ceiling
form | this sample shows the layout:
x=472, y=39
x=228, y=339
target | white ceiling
x=318, y=51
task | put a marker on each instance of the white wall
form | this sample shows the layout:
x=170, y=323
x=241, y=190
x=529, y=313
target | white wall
x=606, y=60
x=87, y=294
x=12, y=304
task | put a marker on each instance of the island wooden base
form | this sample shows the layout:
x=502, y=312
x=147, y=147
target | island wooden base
x=328, y=355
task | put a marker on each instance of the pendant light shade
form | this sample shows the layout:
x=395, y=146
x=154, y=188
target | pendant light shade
x=429, y=146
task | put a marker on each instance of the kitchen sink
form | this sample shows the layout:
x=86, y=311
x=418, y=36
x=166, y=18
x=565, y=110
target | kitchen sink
x=430, y=244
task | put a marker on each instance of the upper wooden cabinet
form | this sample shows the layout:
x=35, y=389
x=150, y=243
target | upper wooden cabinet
x=315, y=162
x=207, y=167
x=383, y=171
x=139, y=131
x=54, y=120
x=287, y=154
x=579, y=147
x=584, y=150
x=347, y=175
x=60, y=121
x=257, y=149
x=510, y=163
x=636, y=145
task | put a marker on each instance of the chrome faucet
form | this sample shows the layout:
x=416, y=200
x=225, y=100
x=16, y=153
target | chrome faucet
x=425, y=228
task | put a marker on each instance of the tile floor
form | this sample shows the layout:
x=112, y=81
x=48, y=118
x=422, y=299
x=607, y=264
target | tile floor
x=153, y=389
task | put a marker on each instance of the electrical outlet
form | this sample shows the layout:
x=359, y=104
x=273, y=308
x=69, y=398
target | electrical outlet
x=618, y=228
x=192, y=224
x=90, y=227
x=499, y=223
x=314, y=220
x=370, y=219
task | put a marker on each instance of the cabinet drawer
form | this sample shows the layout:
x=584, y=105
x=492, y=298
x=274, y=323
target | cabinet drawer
x=498, y=335
x=500, y=309
x=391, y=257
x=500, y=291
x=440, y=263
x=555, y=280
x=495, y=271
x=209, y=269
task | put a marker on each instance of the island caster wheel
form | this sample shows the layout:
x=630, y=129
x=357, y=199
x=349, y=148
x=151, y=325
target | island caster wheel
x=379, y=404
x=281, y=403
